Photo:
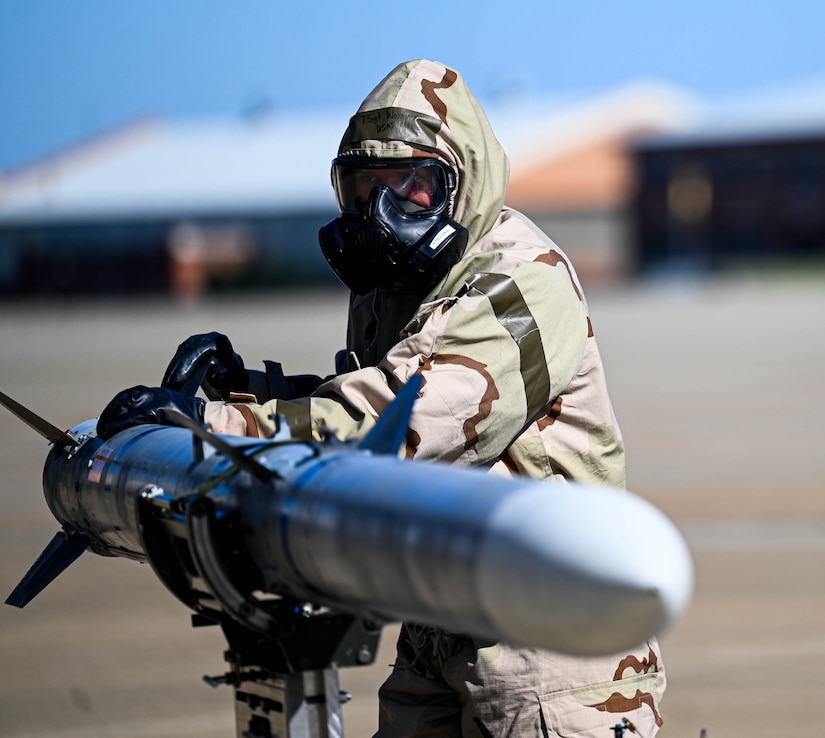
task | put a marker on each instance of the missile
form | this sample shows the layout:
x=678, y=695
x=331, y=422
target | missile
x=262, y=534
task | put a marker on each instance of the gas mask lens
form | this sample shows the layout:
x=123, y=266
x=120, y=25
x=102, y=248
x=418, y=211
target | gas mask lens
x=419, y=185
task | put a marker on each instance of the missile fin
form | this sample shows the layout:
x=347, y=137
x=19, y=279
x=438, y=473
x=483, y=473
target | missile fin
x=389, y=432
x=233, y=453
x=63, y=549
x=43, y=427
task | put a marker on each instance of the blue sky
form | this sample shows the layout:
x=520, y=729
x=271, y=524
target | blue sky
x=72, y=68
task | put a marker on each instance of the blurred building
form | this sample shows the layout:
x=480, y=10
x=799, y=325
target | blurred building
x=743, y=189
x=636, y=179
x=186, y=206
x=571, y=171
x=158, y=206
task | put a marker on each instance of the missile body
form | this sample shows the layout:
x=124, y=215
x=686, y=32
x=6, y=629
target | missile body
x=573, y=568
x=236, y=530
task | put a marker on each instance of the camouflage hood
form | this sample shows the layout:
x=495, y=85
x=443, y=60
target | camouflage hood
x=423, y=108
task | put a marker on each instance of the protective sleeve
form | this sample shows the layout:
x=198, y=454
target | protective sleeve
x=493, y=357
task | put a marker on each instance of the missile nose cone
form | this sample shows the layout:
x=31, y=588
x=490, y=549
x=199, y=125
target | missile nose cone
x=613, y=568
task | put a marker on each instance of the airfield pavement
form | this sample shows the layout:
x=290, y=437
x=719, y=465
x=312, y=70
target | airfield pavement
x=718, y=387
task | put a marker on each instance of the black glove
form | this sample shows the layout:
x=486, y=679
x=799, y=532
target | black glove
x=206, y=359
x=140, y=405
x=273, y=384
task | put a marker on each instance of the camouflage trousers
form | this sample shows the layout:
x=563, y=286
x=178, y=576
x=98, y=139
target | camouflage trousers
x=450, y=686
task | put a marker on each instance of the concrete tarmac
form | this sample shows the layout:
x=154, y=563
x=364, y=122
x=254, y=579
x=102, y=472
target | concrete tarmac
x=718, y=389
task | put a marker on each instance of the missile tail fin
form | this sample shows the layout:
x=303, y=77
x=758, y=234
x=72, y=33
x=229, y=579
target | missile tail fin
x=389, y=432
x=43, y=427
x=63, y=549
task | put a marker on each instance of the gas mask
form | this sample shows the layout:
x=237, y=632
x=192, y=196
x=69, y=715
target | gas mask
x=394, y=226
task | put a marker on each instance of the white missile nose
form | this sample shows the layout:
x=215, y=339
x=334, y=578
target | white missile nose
x=613, y=569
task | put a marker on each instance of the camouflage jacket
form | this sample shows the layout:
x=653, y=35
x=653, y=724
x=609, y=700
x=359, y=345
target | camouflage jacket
x=512, y=375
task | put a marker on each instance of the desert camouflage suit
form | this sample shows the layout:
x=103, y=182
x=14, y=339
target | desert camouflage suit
x=513, y=381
